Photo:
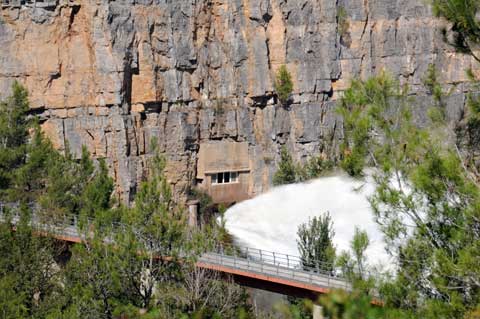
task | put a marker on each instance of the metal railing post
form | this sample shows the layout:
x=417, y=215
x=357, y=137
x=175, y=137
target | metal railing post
x=261, y=260
x=316, y=273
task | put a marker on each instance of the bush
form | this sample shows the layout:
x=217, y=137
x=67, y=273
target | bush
x=342, y=20
x=315, y=243
x=314, y=168
x=283, y=84
x=286, y=170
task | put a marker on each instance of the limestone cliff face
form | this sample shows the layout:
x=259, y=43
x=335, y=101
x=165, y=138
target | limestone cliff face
x=113, y=75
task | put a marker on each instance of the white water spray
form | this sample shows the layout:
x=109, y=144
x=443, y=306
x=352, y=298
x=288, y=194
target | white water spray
x=270, y=221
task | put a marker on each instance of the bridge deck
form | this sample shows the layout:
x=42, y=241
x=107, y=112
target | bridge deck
x=261, y=270
x=256, y=265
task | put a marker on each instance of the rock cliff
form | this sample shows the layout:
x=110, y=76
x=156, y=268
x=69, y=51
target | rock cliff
x=113, y=75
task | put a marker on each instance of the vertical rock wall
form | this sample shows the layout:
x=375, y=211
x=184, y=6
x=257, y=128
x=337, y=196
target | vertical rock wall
x=114, y=75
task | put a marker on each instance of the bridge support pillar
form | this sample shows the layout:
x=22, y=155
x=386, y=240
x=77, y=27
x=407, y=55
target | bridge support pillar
x=193, y=213
x=317, y=312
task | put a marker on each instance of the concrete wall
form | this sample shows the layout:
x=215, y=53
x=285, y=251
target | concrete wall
x=228, y=193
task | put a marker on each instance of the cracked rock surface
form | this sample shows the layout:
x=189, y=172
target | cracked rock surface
x=113, y=75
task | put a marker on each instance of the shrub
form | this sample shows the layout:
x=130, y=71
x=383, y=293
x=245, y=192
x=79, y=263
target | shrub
x=315, y=167
x=342, y=21
x=286, y=170
x=289, y=172
x=283, y=84
x=315, y=243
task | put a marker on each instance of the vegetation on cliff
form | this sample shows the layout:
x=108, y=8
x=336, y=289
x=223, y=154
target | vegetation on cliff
x=286, y=169
x=283, y=84
x=427, y=202
x=289, y=172
x=427, y=193
x=150, y=268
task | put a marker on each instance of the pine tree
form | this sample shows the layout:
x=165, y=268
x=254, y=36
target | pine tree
x=315, y=167
x=27, y=271
x=157, y=227
x=359, y=244
x=463, y=14
x=96, y=195
x=14, y=127
x=283, y=84
x=315, y=243
x=286, y=169
x=425, y=200
x=93, y=284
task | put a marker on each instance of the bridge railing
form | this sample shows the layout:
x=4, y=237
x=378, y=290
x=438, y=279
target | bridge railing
x=247, y=258
x=70, y=224
x=264, y=267
x=65, y=224
x=279, y=260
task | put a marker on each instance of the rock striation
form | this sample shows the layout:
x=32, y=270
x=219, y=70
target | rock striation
x=115, y=75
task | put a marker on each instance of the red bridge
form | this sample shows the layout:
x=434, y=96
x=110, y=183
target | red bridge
x=250, y=267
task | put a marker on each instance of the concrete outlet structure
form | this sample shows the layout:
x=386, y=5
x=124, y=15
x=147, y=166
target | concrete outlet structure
x=223, y=171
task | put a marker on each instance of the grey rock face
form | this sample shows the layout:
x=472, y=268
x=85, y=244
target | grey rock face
x=114, y=75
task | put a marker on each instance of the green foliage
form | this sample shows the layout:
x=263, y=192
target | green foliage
x=29, y=279
x=207, y=209
x=296, y=309
x=286, y=169
x=355, y=267
x=315, y=167
x=360, y=107
x=158, y=228
x=468, y=129
x=149, y=268
x=12, y=302
x=464, y=35
x=29, y=179
x=93, y=281
x=31, y=170
x=96, y=195
x=65, y=186
x=436, y=112
x=343, y=305
x=425, y=201
x=360, y=243
x=342, y=20
x=465, y=24
x=430, y=81
x=13, y=121
x=283, y=84
x=14, y=127
x=315, y=243
x=289, y=172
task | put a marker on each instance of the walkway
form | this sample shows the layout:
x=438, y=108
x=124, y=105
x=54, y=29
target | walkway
x=249, y=266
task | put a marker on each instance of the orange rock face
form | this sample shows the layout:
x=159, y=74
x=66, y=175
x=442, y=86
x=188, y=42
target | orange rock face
x=114, y=75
